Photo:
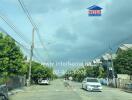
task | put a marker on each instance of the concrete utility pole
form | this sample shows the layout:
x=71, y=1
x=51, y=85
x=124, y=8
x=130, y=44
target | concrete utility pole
x=112, y=68
x=30, y=61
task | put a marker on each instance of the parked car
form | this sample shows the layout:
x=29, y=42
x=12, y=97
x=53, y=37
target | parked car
x=103, y=81
x=91, y=84
x=3, y=92
x=44, y=81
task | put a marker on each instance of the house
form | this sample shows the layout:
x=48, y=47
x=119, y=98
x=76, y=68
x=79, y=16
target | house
x=124, y=47
x=96, y=62
x=94, y=10
x=107, y=59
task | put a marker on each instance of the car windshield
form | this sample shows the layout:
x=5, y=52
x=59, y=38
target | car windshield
x=45, y=79
x=92, y=80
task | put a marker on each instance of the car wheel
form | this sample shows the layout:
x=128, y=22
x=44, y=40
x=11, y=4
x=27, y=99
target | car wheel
x=82, y=86
x=87, y=89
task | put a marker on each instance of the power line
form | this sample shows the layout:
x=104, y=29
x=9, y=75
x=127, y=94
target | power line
x=32, y=22
x=114, y=45
x=26, y=49
x=27, y=13
x=29, y=17
x=12, y=37
x=14, y=28
x=16, y=31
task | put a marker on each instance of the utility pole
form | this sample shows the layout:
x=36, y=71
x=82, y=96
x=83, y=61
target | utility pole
x=30, y=61
x=112, y=68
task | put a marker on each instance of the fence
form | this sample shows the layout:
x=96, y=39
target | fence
x=121, y=83
x=118, y=82
x=16, y=82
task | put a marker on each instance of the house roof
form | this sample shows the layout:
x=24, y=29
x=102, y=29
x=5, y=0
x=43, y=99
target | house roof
x=107, y=56
x=125, y=46
x=94, y=7
x=97, y=61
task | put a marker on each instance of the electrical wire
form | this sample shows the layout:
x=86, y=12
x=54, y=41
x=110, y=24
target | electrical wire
x=32, y=23
x=26, y=49
x=120, y=42
x=14, y=28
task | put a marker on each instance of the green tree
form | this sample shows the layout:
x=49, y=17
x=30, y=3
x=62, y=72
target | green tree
x=87, y=71
x=41, y=71
x=11, y=61
x=11, y=57
x=15, y=57
x=123, y=62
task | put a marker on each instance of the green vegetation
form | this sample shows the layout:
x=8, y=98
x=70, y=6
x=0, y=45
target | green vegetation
x=41, y=71
x=11, y=57
x=122, y=65
x=87, y=71
x=123, y=62
x=12, y=62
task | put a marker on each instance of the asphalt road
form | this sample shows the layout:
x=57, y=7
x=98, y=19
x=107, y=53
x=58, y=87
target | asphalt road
x=57, y=91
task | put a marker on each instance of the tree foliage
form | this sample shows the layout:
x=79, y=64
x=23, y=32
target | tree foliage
x=41, y=71
x=12, y=61
x=11, y=57
x=87, y=71
x=123, y=62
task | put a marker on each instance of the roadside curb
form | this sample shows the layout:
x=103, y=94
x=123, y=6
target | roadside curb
x=129, y=91
x=13, y=92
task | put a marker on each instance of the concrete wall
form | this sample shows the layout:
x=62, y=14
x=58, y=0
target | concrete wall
x=122, y=80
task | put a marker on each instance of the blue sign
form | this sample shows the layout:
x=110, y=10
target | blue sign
x=94, y=10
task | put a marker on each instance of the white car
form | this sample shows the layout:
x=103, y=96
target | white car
x=91, y=84
x=43, y=81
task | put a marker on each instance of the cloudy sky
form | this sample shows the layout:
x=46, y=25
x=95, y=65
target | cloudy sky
x=66, y=30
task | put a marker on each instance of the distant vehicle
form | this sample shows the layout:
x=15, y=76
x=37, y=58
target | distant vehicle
x=103, y=81
x=70, y=78
x=91, y=84
x=44, y=81
x=3, y=92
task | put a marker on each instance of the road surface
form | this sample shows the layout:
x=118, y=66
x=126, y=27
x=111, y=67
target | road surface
x=57, y=91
